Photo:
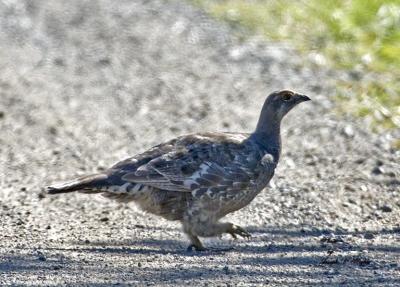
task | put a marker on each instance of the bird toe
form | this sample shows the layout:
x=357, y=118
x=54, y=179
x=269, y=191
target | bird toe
x=237, y=230
x=193, y=247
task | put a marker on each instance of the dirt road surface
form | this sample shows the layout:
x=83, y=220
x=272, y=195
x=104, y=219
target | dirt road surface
x=84, y=84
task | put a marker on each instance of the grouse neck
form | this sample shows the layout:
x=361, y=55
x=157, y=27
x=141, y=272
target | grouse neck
x=268, y=131
x=268, y=138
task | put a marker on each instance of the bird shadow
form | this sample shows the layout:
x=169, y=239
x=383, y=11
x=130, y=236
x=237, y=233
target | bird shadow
x=326, y=238
x=273, y=255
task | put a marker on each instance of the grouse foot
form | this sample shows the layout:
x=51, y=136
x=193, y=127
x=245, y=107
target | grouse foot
x=235, y=230
x=193, y=247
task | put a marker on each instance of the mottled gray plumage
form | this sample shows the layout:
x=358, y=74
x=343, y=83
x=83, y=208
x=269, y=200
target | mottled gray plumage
x=198, y=178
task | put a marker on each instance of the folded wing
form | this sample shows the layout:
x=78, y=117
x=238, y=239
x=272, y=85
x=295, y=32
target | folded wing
x=204, y=168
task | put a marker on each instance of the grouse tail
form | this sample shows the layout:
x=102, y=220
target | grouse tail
x=91, y=183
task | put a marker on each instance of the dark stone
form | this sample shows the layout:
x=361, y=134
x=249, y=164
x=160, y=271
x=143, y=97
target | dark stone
x=361, y=260
x=59, y=62
x=104, y=62
x=41, y=256
x=386, y=208
x=391, y=174
x=349, y=187
x=226, y=269
x=52, y=130
x=369, y=235
x=377, y=170
x=360, y=161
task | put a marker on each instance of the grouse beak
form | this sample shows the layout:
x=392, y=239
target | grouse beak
x=301, y=98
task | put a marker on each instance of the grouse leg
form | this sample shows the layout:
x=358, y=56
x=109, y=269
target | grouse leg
x=195, y=244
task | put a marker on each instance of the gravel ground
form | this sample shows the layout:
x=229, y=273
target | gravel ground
x=84, y=84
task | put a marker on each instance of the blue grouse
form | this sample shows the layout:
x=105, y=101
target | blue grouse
x=199, y=178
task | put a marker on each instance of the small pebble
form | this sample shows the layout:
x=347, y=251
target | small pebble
x=359, y=161
x=349, y=188
x=331, y=272
x=58, y=62
x=41, y=256
x=377, y=170
x=348, y=131
x=52, y=130
x=369, y=235
x=386, y=208
x=104, y=62
x=352, y=201
x=226, y=269
x=391, y=174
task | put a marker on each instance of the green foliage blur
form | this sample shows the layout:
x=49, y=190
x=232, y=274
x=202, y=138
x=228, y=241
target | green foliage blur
x=360, y=36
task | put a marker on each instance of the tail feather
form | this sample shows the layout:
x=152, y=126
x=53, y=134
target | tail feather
x=86, y=183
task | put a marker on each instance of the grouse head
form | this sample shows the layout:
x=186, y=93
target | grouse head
x=276, y=106
x=280, y=103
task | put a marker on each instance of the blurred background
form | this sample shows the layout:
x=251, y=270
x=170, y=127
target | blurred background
x=359, y=37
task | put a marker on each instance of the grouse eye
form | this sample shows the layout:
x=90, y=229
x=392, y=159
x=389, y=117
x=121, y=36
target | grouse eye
x=286, y=97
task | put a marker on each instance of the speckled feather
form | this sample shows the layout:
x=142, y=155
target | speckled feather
x=193, y=171
x=204, y=162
